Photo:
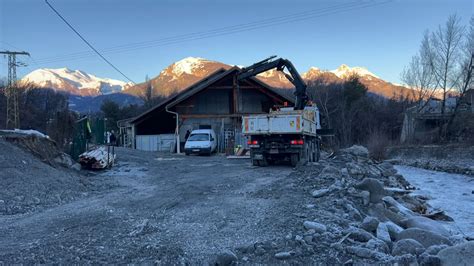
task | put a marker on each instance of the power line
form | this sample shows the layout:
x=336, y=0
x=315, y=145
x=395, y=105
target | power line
x=221, y=31
x=90, y=45
x=217, y=30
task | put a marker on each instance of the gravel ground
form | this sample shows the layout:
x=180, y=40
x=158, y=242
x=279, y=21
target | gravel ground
x=171, y=209
x=165, y=209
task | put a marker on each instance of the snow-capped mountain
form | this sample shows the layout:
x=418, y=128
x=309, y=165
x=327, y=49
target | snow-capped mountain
x=187, y=71
x=344, y=71
x=179, y=76
x=76, y=82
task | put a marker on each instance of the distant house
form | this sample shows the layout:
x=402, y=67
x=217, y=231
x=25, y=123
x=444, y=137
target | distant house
x=216, y=101
x=422, y=122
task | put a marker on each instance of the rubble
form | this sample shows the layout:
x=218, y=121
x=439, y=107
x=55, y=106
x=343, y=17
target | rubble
x=458, y=255
x=407, y=246
x=31, y=181
x=426, y=238
x=226, y=258
x=365, y=214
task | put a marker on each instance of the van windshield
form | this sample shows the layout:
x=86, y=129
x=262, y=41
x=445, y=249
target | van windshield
x=199, y=137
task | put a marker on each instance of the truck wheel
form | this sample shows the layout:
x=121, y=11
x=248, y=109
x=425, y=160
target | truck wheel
x=318, y=150
x=311, y=152
x=255, y=162
x=264, y=161
x=294, y=160
x=306, y=154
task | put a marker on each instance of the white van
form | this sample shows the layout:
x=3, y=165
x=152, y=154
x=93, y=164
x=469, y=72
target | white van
x=201, y=141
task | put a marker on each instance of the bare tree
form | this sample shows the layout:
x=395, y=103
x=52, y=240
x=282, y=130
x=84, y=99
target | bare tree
x=446, y=43
x=419, y=76
x=464, y=81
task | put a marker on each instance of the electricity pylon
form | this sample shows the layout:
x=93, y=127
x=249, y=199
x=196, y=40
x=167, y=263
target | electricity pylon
x=11, y=93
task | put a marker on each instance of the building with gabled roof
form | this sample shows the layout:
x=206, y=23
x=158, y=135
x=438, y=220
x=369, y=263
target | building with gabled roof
x=217, y=101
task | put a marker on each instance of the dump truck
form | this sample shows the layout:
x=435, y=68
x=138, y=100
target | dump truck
x=283, y=134
x=286, y=133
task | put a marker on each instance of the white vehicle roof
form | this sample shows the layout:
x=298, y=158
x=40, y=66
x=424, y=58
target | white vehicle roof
x=208, y=131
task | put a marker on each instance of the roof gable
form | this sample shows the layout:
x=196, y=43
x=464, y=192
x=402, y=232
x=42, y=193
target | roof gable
x=201, y=85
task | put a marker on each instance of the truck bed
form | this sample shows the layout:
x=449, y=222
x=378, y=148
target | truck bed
x=281, y=122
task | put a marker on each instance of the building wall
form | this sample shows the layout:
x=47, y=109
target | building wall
x=214, y=101
x=254, y=101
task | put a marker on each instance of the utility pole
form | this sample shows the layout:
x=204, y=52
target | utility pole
x=11, y=93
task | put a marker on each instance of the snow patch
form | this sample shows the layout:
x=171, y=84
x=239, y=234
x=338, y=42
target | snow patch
x=30, y=132
x=188, y=65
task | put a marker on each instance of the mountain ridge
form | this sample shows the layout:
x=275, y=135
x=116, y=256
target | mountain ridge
x=75, y=82
x=189, y=70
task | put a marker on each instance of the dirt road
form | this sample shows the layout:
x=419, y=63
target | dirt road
x=164, y=209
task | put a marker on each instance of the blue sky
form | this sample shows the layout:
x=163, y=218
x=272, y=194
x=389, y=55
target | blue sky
x=380, y=35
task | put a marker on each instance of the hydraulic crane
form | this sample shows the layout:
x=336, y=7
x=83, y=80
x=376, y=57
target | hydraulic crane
x=280, y=64
x=284, y=134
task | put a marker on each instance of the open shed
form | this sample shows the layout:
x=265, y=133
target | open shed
x=217, y=101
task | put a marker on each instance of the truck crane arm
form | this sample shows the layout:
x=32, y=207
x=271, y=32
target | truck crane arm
x=280, y=64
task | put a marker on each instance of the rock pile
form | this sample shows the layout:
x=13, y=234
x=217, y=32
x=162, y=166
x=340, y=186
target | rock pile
x=29, y=181
x=360, y=211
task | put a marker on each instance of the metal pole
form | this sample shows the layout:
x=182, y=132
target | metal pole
x=178, y=144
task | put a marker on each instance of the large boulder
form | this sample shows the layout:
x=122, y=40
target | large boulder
x=462, y=254
x=387, y=169
x=227, y=257
x=383, y=234
x=330, y=172
x=359, y=234
x=407, y=246
x=378, y=245
x=393, y=229
x=398, y=207
x=369, y=224
x=375, y=188
x=426, y=238
x=357, y=150
x=426, y=224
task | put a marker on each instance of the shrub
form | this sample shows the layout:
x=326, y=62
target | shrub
x=377, y=145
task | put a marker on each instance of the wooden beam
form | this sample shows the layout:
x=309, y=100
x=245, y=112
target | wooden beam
x=231, y=87
x=235, y=94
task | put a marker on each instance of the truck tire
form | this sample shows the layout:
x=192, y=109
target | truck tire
x=294, y=159
x=311, y=151
x=318, y=150
x=264, y=161
x=255, y=162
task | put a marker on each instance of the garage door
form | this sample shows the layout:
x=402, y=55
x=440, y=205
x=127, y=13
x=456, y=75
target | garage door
x=162, y=142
